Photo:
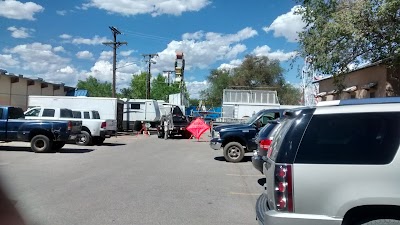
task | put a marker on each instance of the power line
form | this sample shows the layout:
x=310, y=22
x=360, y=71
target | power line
x=114, y=45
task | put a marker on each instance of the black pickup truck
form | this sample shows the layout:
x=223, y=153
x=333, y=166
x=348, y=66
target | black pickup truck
x=44, y=135
x=175, y=123
x=237, y=139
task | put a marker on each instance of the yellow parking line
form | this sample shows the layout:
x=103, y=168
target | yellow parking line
x=241, y=175
x=240, y=193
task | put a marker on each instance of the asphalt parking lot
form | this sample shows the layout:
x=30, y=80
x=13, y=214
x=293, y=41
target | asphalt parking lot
x=130, y=180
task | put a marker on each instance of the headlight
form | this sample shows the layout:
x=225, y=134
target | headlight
x=216, y=134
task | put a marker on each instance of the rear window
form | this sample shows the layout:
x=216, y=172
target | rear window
x=48, y=112
x=96, y=115
x=366, y=138
x=1, y=113
x=279, y=135
x=77, y=114
x=66, y=113
x=15, y=113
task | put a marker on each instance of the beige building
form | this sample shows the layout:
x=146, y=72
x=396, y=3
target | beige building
x=372, y=81
x=15, y=89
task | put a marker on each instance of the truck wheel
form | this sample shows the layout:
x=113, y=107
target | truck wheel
x=160, y=134
x=233, y=152
x=57, y=145
x=98, y=140
x=41, y=143
x=84, y=139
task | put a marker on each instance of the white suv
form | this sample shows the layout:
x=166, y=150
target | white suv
x=337, y=164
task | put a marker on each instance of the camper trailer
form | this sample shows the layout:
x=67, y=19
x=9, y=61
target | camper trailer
x=140, y=110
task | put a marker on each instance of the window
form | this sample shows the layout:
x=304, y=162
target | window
x=66, y=113
x=359, y=138
x=48, y=112
x=15, y=113
x=96, y=115
x=1, y=114
x=135, y=106
x=76, y=114
x=86, y=115
x=33, y=112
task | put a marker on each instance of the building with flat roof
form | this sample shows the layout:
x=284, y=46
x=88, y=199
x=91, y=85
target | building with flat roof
x=15, y=89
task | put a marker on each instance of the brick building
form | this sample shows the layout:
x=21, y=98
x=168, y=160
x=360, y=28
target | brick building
x=371, y=81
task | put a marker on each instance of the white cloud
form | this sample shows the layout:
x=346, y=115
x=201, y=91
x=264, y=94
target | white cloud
x=232, y=64
x=203, y=49
x=67, y=70
x=38, y=57
x=287, y=25
x=96, y=40
x=265, y=50
x=21, y=32
x=126, y=53
x=59, y=49
x=61, y=12
x=8, y=61
x=84, y=55
x=13, y=9
x=195, y=87
x=65, y=36
x=153, y=7
x=106, y=55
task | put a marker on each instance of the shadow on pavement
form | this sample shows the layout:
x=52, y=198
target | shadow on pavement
x=262, y=181
x=222, y=159
x=112, y=144
x=28, y=149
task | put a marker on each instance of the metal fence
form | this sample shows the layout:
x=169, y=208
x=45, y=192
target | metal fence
x=250, y=96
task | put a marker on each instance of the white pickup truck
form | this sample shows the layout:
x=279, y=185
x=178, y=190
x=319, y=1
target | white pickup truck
x=93, y=130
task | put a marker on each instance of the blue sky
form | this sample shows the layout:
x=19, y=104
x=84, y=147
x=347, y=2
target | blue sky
x=61, y=41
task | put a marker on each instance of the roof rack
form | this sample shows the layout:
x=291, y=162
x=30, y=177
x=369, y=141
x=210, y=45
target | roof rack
x=362, y=101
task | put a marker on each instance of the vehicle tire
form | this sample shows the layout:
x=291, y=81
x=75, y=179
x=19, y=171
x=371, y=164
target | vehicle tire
x=84, y=139
x=57, y=145
x=160, y=134
x=98, y=140
x=382, y=222
x=186, y=134
x=233, y=152
x=41, y=143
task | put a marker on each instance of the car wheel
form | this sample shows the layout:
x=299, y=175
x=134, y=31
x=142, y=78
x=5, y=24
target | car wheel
x=160, y=134
x=382, y=222
x=41, y=143
x=233, y=152
x=84, y=139
x=57, y=145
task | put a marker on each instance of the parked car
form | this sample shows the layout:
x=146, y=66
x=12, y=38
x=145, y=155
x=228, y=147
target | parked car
x=44, y=136
x=335, y=164
x=237, y=139
x=264, y=140
x=92, y=130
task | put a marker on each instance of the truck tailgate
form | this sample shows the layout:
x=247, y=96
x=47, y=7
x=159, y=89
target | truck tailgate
x=76, y=126
x=111, y=125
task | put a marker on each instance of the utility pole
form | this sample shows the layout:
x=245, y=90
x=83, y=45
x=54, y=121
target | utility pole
x=168, y=73
x=114, y=45
x=149, y=56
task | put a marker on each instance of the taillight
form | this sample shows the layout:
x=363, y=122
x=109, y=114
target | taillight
x=283, y=188
x=69, y=125
x=103, y=125
x=265, y=144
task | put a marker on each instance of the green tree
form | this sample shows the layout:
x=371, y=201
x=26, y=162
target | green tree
x=289, y=95
x=218, y=81
x=160, y=89
x=125, y=93
x=340, y=33
x=138, y=86
x=95, y=87
x=194, y=102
